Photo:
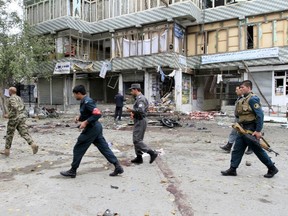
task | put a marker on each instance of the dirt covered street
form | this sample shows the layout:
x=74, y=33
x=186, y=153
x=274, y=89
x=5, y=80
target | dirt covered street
x=185, y=180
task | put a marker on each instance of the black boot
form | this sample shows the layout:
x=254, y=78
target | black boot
x=249, y=151
x=69, y=173
x=227, y=147
x=271, y=172
x=118, y=170
x=230, y=172
x=153, y=155
x=137, y=160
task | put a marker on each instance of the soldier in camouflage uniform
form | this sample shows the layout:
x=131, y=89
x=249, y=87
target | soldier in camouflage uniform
x=139, y=113
x=17, y=120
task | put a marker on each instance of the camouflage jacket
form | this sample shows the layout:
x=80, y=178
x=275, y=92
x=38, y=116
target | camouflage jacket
x=16, y=107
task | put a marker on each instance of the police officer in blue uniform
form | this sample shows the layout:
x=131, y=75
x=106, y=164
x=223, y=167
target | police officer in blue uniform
x=233, y=134
x=251, y=118
x=91, y=133
x=138, y=114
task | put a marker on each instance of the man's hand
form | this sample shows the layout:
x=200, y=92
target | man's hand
x=258, y=135
x=128, y=109
x=83, y=124
x=76, y=119
x=131, y=115
x=5, y=116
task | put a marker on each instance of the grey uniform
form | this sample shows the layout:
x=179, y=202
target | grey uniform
x=233, y=134
x=140, y=124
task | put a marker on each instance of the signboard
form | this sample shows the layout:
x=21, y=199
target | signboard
x=105, y=67
x=240, y=56
x=62, y=68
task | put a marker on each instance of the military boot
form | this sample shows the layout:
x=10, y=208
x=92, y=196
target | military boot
x=6, y=152
x=271, y=172
x=137, y=160
x=34, y=148
x=230, y=172
x=153, y=155
x=69, y=173
x=227, y=147
x=249, y=151
x=118, y=170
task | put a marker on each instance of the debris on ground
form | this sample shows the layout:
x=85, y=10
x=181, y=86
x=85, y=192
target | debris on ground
x=203, y=115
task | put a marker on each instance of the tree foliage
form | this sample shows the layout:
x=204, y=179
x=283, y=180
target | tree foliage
x=23, y=52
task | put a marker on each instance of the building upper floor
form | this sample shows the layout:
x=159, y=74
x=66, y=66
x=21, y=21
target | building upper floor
x=38, y=11
x=236, y=27
x=253, y=32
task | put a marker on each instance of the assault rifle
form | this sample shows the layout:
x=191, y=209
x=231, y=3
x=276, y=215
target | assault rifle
x=248, y=134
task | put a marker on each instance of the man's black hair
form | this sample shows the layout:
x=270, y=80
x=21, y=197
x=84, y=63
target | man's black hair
x=247, y=83
x=79, y=89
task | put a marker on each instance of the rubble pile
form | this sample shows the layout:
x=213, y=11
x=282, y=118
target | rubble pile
x=200, y=115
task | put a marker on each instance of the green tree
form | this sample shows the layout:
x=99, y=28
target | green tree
x=22, y=54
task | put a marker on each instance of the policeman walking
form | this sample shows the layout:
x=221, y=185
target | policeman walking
x=138, y=113
x=251, y=117
x=91, y=133
x=233, y=134
x=17, y=120
x=119, y=100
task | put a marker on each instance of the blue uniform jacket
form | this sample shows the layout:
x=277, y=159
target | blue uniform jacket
x=87, y=111
x=119, y=99
x=255, y=105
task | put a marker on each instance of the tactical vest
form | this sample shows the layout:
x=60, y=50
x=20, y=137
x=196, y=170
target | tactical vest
x=244, y=111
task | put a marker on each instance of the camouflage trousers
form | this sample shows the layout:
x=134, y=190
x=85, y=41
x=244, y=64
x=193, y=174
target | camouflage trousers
x=22, y=128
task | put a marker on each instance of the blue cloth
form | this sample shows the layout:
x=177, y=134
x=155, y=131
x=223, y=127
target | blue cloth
x=88, y=136
x=242, y=142
x=87, y=106
x=119, y=100
x=240, y=145
x=92, y=133
x=255, y=105
x=161, y=73
x=178, y=31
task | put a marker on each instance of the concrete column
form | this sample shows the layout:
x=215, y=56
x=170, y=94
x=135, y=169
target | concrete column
x=120, y=84
x=146, y=85
x=65, y=93
x=51, y=93
x=245, y=76
x=178, y=89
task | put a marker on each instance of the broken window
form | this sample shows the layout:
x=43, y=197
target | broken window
x=101, y=49
x=281, y=82
x=146, y=41
x=250, y=37
x=219, y=3
x=207, y=3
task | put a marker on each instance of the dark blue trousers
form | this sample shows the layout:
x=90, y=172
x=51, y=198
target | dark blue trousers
x=92, y=134
x=239, y=148
x=118, y=112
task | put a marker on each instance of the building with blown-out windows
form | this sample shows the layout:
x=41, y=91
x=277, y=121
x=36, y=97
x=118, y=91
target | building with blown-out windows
x=190, y=52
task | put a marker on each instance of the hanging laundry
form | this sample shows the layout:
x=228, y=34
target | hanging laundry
x=219, y=78
x=159, y=69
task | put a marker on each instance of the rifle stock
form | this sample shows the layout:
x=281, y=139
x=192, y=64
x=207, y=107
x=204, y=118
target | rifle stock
x=248, y=134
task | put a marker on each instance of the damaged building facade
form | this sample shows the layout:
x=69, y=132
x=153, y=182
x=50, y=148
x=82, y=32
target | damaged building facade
x=186, y=53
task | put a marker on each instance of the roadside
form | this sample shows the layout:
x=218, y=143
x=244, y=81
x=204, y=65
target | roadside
x=185, y=180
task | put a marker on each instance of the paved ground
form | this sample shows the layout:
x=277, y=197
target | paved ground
x=184, y=181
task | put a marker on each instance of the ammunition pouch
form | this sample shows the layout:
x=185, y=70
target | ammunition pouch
x=139, y=116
